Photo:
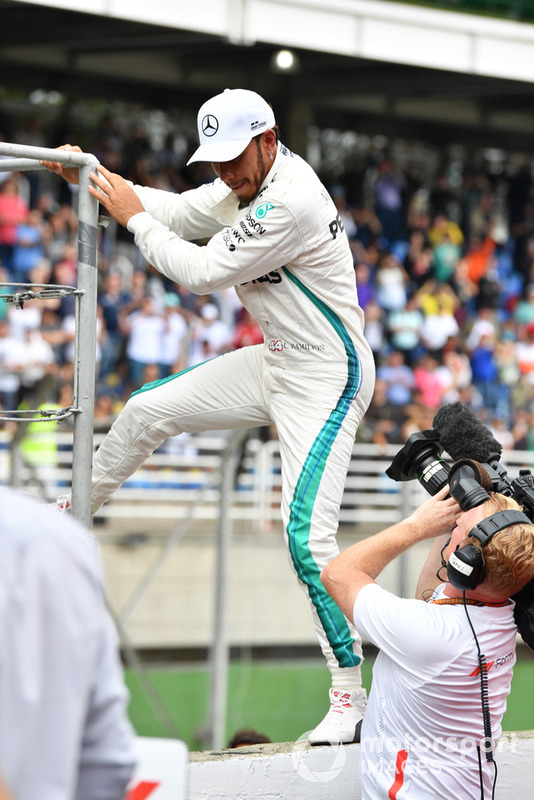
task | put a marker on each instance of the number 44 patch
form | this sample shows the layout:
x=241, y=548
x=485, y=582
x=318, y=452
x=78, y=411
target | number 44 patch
x=263, y=210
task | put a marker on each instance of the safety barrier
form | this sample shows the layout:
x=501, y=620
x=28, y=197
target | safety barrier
x=295, y=770
x=183, y=479
x=187, y=473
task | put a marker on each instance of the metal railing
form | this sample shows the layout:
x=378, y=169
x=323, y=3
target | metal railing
x=183, y=479
x=24, y=158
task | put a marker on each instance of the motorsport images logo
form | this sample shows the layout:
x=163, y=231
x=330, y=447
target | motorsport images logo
x=263, y=210
x=328, y=762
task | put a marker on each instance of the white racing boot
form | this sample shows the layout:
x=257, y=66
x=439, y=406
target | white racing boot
x=343, y=721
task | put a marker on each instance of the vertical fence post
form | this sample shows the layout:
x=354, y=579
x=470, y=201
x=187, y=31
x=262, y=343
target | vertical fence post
x=221, y=648
x=26, y=158
x=82, y=455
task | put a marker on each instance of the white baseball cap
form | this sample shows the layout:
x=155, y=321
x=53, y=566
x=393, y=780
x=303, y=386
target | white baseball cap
x=228, y=122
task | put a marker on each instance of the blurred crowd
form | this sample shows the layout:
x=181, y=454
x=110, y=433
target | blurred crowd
x=444, y=270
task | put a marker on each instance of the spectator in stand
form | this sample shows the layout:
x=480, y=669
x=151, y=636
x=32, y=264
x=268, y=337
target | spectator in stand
x=520, y=187
x=500, y=429
x=428, y=382
x=114, y=302
x=476, y=205
x=4, y=290
x=374, y=329
x=434, y=297
x=12, y=357
x=391, y=282
x=244, y=737
x=174, y=338
x=419, y=260
x=31, y=133
x=508, y=376
x=478, y=257
x=446, y=257
x=441, y=197
x=139, y=289
x=247, y=331
x=64, y=274
x=438, y=328
x=525, y=352
x=13, y=211
x=41, y=273
x=105, y=412
x=339, y=197
x=28, y=248
x=39, y=363
x=145, y=329
x=229, y=305
x=485, y=372
x=404, y=329
x=383, y=423
x=442, y=227
x=524, y=310
x=68, y=327
x=483, y=325
x=365, y=284
x=523, y=430
x=367, y=226
x=123, y=265
x=53, y=333
x=455, y=371
x=23, y=319
x=398, y=377
x=63, y=231
x=210, y=336
x=388, y=188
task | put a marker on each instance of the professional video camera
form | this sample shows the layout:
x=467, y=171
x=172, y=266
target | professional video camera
x=457, y=431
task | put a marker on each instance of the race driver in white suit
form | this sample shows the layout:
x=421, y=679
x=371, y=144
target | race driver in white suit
x=277, y=237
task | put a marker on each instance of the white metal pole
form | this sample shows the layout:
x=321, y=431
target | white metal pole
x=25, y=158
x=221, y=647
x=85, y=353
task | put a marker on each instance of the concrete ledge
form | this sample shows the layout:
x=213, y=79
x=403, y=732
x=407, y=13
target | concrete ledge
x=295, y=770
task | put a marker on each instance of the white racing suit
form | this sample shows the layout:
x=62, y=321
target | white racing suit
x=313, y=377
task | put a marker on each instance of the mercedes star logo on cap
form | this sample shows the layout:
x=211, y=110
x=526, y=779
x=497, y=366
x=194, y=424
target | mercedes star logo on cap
x=210, y=125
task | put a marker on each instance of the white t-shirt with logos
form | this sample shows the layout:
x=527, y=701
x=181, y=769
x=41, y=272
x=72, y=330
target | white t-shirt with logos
x=424, y=717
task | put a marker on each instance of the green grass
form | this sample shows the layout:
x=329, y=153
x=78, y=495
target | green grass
x=281, y=699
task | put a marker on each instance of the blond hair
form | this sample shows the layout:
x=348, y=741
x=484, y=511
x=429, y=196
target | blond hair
x=509, y=555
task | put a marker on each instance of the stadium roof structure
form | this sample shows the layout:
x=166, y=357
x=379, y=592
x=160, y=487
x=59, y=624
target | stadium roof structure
x=370, y=65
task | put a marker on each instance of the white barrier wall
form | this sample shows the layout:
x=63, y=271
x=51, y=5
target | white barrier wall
x=162, y=770
x=373, y=29
x=294, y=770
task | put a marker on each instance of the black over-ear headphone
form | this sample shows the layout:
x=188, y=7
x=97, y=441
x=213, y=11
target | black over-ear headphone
x=469, y=484
x=465, y=568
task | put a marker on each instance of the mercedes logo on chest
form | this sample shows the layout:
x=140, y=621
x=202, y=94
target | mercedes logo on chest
x=210, y=125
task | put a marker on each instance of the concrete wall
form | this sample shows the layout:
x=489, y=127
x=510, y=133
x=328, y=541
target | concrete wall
x=294, y=770
x=265, y=604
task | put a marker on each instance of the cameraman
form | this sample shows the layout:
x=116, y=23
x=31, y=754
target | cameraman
x=423, y=732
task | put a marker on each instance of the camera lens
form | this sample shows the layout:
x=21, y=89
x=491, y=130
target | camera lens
x=419, y=458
